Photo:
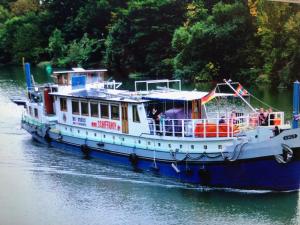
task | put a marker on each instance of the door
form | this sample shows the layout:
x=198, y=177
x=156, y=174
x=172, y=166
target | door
x=124, y=117
x=196, y=109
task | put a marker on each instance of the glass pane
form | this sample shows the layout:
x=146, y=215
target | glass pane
x=94, y=109
x=84, y=108
x=104, y=111
x=115, y=114
x=135, y=114
x=63, y=104
x=75, y=107
x=36, y=113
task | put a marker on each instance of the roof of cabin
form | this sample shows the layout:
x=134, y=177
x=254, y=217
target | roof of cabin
x=79, y=70
x=179, y=95
x=103, y=94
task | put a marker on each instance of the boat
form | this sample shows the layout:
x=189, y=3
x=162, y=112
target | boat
x=207, y=139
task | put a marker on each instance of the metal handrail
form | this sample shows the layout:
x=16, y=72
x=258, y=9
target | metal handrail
x=212, y=127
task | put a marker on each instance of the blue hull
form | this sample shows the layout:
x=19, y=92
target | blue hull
x=255, y=174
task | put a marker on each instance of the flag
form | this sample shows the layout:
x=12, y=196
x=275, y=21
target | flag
x=208, y=97
x=241, y=90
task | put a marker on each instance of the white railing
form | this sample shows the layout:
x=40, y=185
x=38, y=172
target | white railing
x=198, y=128
x=162, y=81
x=209, y=128
x=271, y=119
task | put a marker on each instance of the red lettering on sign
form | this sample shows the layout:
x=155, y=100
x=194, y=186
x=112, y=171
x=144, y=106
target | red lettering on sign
x=105, y=125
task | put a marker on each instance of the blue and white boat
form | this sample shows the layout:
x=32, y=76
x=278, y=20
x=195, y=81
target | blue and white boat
x=211, y=139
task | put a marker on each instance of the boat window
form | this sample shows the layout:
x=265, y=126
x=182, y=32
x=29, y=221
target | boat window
x=75, y=107
x=115, y=112
x=36, y=113
x=63, y=104
x=135, y=114
x=30, y=110
x=84, y=109
x=94, y=109
x=104, y=111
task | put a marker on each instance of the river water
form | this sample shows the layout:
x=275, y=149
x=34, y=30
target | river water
x=40, y=185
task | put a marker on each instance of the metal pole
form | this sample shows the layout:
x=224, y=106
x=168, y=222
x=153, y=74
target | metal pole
x=296, y=104
x=28, y=76
x=239, y=95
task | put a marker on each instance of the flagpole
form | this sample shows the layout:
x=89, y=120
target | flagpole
x=237, y=93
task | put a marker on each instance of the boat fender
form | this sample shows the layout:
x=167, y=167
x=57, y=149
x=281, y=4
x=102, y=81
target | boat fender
x=174, y=166
x=100, y=144
x=286, y=156
x=204, y=176
x=47, y=136
x=85, y=150
x=133, y=158
x=189, y=172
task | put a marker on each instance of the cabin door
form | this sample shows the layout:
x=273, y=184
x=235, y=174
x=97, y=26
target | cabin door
x=124, y=118
x=196, y=109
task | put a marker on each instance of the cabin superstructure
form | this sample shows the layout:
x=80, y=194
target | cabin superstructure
x=82, y=98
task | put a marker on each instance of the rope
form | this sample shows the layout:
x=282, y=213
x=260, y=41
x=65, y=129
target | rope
x=264, y=102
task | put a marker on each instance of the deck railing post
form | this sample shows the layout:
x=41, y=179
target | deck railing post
x=182, y=128
x=173, y=128
x=296, y=104
x=217, y=123
x=193, y=128
x=204, y=128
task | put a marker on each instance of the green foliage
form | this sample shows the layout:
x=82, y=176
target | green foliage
x=21, y=37
x=197, y=40
x=140, y=39
x=278, y=30
x=56, y=46
x=217, y=45
x=79, y=52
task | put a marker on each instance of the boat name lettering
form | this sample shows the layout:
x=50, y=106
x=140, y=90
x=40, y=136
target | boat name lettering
x=291, y=136
x=106, y=125
x=79, y=121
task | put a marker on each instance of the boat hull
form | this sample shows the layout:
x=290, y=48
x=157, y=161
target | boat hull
x=260, y=173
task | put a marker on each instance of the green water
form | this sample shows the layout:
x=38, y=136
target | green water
x=41, y=185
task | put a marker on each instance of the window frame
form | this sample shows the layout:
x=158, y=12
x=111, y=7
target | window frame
x=75, y=101
x=97, y=104
x=62, y=108
x=135, y=117
x=87, y=107
x=117, y=106
x=30, y=110
x=101, y=114
x=36, y=112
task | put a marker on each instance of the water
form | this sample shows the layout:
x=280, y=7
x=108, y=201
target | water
x=41, y=185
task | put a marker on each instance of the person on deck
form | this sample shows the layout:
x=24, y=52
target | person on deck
x=233, y=118
x=271, y=116
x=261, y=117
x=155, y=115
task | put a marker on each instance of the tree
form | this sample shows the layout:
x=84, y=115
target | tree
x=217, y=45
x=278, y=30
x=79, y=52
x=21, y=37
x=140, y=38
x=56, y=46
x=21, y=7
